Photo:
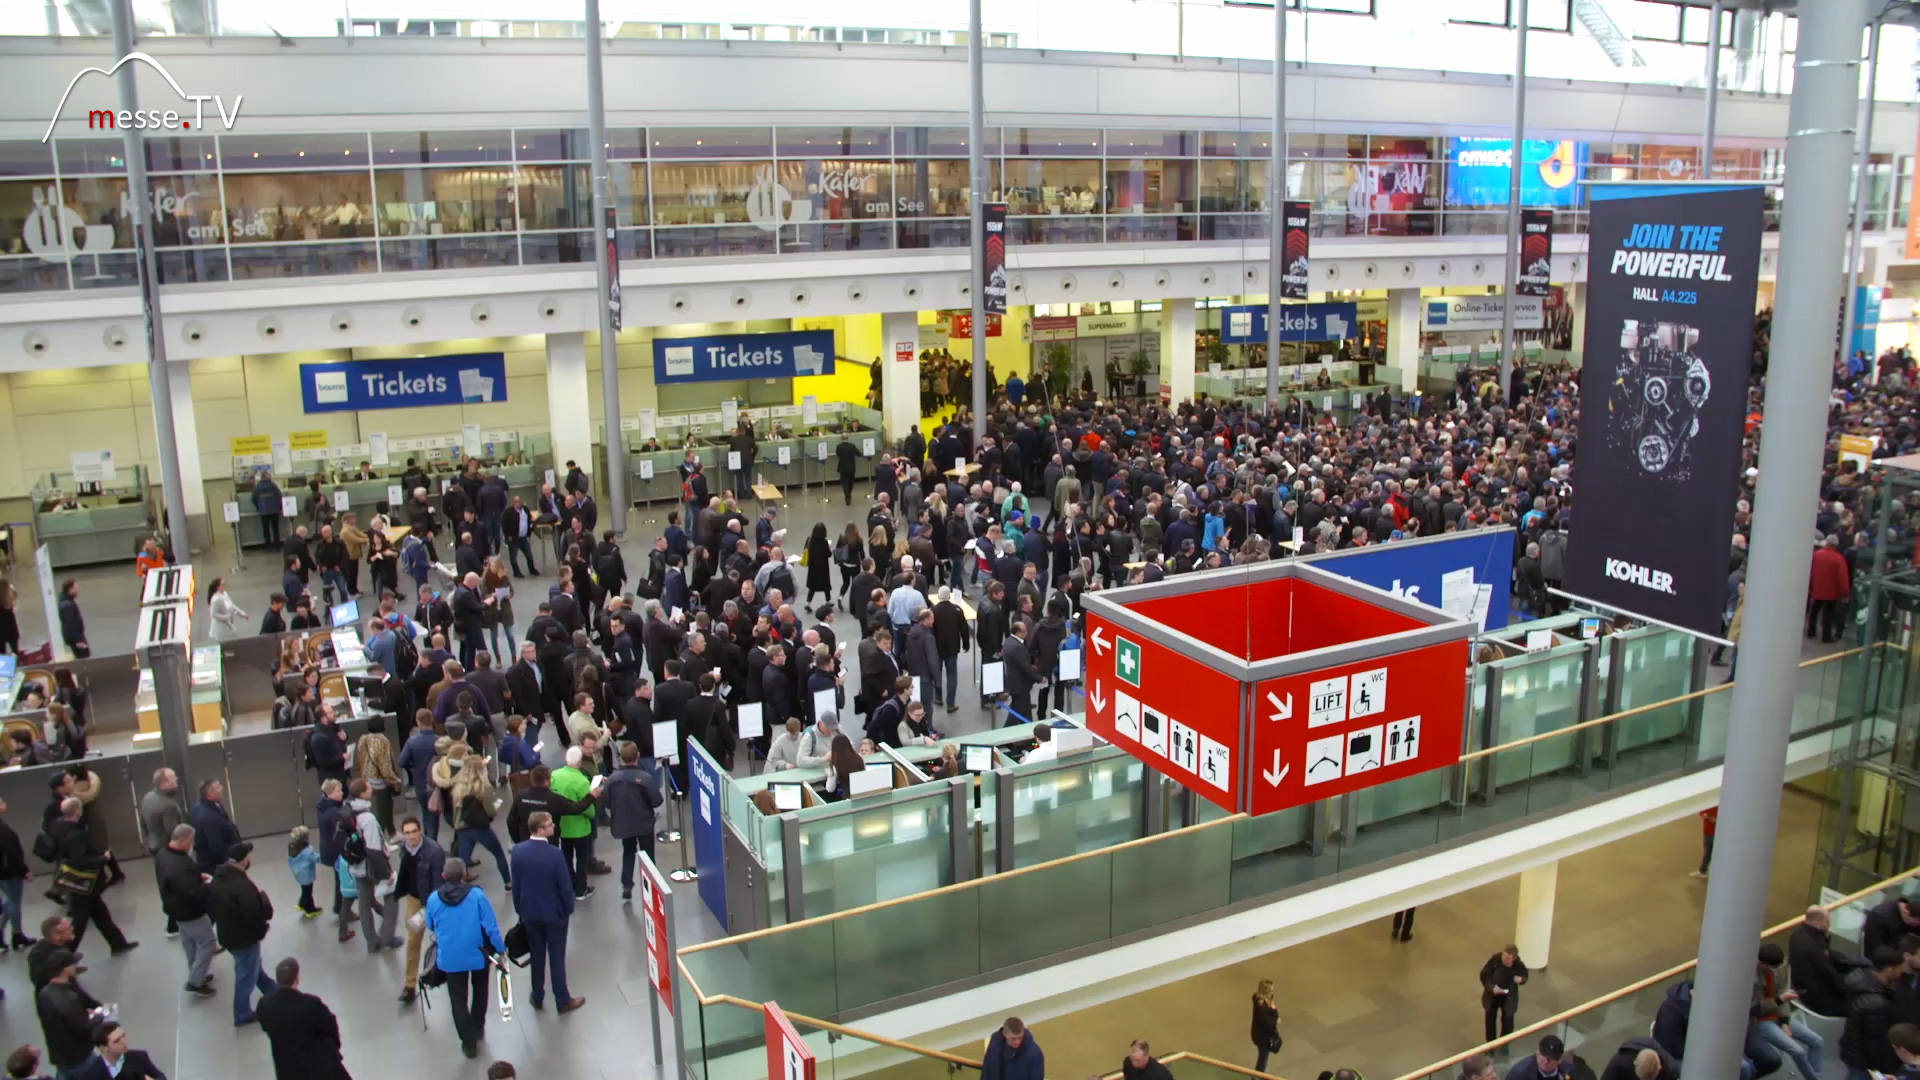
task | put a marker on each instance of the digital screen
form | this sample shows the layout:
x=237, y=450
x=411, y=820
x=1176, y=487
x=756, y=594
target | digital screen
x=1590, y=627
x=785, y=796
x=346, y=614
x=1478, y=171
x=979, y=759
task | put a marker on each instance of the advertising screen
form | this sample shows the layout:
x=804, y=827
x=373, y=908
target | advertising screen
x=1477, y=171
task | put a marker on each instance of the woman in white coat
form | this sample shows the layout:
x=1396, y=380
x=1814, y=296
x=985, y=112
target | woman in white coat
x=226, y=619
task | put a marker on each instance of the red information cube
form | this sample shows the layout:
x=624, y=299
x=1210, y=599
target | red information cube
x=1275, y=685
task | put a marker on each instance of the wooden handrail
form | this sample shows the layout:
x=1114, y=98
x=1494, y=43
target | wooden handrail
x=1188, y=1055
x=1636, y=710
x=959, y=886
x=1637, y=986
x=841, y=1029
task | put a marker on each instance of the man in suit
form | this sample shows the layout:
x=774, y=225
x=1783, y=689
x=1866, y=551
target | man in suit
x=491, y=682
x=301, y=1029
x=112, y=1060
x=566, y=607
x=469, y=617
x=543, y=898
x=670, y=700
x=706, y=719
x=776, y=688
x=663, y=640
x=516, y=525
x=1021, y=674
x=526, y=683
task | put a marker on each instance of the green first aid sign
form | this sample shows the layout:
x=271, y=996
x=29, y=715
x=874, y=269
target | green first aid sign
x=1126, y=660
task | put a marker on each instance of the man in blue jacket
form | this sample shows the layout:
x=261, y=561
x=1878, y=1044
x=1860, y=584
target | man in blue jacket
x=543, y=897
x=465, y=936
x=1013, y=1054
x=416, y=762
x=213, y=831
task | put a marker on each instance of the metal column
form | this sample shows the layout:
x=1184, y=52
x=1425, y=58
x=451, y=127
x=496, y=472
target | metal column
x=140, y=198
x=172, y=669
x=1277, y=205
x=1713, y=94
x=1513, y=197
x=606, y=269
x=1820, y=123
x=1862, y=182
x=976, y=209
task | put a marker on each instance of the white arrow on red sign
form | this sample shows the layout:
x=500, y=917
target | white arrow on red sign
x=1100, y=643
x=1278, y=772
x=1284, y=710
x=1099, y=703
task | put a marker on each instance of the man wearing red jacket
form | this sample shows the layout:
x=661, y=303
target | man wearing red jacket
x=1829, y=588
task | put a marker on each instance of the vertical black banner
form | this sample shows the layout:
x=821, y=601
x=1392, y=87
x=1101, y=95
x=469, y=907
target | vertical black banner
x=1663, y=392
x=993, y=257
x=1536, y=252
x=1294, y=219
x=610, y=237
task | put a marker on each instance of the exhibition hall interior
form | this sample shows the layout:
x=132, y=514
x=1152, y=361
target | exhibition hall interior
x=1147, y=539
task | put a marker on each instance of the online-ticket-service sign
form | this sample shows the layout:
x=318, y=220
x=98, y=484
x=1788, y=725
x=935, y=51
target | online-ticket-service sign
x=730, y=357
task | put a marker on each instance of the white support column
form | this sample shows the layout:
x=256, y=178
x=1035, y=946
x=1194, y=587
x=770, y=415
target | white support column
x=1404, y=319
x=1533, y=928
x=1176, y=348
x=568, y=405
x=187, y=437
x=899, y=380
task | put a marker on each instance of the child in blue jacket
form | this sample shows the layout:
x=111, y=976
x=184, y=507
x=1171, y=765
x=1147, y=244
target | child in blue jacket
x=301, y=860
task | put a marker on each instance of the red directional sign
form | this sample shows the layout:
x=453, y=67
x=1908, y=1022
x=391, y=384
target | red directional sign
x=788, y=1056
x=1173, y=712
x=1351, y=726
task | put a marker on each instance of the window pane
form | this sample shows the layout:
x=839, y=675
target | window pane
x=1052, y=186
x=186, y=210
x=1076, y=141
x=179, y=153
x=749, y=142
x=445, y=253
x=1320, y=146
x=836, y=236
x=823, y=142
x=79, y=156
x=1226, y=144
x=555, y=197
x=1149, y=186
x=294, y=151
x=707, y=243
x=1485, y=11
x=104, y=222
x=1158, y=143
x=930, y=188
x=705, y=193
x=923, y=141
x=25, y=158
x=433, y=202
x=840, y=190
x=571, y=144
x=296, y=206
x=1233, y=186
x=629, y=185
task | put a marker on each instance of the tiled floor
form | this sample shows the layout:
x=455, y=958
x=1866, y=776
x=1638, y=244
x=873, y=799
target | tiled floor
x=1359, y=1000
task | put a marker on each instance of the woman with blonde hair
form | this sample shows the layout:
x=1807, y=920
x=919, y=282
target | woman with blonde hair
x=1266, y=1025
x=498, y=615
x=469, y=802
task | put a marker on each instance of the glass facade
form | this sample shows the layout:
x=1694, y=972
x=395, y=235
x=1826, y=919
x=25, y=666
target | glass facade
x=240, y=207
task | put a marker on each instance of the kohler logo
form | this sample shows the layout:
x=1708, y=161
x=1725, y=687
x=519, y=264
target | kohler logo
x=1646, y=578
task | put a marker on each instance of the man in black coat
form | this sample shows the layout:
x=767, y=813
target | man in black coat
x=664, y=640
x=776, y=689
x=114, y=1060
x=241, y=914
x=303, y=1032
x=539, y=796
x=670, y=701
x=73, y=847
x=525, y=682
x=1021, y=674
x=1888, y=922
x=706, y=718
x=66, y=1013
x=183, y=896
x=1817, y=972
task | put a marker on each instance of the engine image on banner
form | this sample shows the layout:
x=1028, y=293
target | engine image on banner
x=1669, y=344
x=1293, y=278
x=1536, y=252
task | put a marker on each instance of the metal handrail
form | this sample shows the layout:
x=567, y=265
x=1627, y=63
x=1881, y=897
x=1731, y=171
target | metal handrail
x=842, y=1029
x=1188, y=1055
x=1635, y=987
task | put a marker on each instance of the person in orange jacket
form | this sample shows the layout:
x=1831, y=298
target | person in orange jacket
x=1709, y=820
x=150, y=558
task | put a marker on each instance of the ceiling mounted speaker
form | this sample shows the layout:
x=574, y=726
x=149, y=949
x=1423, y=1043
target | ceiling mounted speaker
x=741, y=299
x=857, y=291
x=1068, y=283
x=1573, y=266
x=342, y=321
x=550, y=308
x=679, y=301
x=911, y=290
x=1370, y=271
x=1406, y=271
x=413, y=316
x=194, y=332
x=1478, y=269
x=1116, y=281
x=1331, y=272
x=35, y=344
x=1206, y=277
x=1443, y=268
x=1019, y=283
x=115, y=337
x=481, y=314
x=269, y=327
x=1162, y=278
x=800, y=296
x=1250, y=274
x=963, y=287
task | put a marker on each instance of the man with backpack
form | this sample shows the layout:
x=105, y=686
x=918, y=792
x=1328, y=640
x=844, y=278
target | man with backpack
x=363, y=847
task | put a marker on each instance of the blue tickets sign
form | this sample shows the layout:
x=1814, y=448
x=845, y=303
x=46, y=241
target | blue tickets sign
x=1465, y=574
x=709, y=831
x=1304, y=322
x=465, y=379
x=731, y=357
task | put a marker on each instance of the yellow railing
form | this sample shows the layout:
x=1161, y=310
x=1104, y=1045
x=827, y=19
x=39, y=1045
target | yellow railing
x=1635, y=987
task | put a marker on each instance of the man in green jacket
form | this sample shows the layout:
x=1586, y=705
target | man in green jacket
x=576, y=830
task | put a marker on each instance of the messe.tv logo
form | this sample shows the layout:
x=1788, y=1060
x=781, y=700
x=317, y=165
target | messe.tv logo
x=148, y=119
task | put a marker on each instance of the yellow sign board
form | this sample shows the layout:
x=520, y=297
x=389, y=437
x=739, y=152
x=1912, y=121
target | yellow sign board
x=307, y=440
x=252, y=444
x=1856, y=448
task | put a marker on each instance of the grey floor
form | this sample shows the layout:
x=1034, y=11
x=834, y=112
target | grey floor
x=195, y=1040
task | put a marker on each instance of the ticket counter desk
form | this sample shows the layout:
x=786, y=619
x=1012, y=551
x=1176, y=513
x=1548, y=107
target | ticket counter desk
x=365, y=496
x=102, y=527
x=658, y=480
x=269, y=789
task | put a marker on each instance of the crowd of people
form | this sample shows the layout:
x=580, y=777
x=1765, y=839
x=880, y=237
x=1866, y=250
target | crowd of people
x=1060, y=497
